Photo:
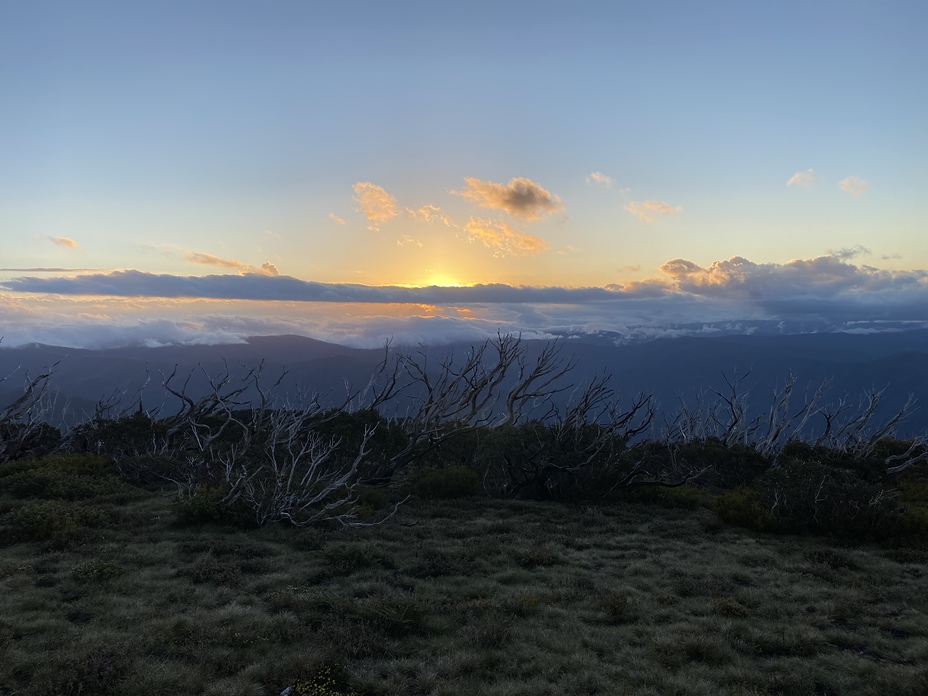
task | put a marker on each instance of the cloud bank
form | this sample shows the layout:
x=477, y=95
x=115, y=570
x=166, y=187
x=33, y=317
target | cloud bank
x=825, y=293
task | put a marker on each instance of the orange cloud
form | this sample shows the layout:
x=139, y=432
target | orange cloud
x=336, y=219
x=505, y=241
x=428, y=213
x=521, y=198
x=376, y=204
x=267, y=268
x=649, y=211
x=63, y=241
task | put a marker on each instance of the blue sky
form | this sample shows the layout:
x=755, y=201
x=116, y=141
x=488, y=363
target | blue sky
x=546, y=144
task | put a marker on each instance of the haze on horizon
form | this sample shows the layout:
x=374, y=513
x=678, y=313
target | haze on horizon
x=175, y=172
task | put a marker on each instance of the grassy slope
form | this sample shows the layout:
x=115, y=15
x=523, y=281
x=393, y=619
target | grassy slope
x=461, y=597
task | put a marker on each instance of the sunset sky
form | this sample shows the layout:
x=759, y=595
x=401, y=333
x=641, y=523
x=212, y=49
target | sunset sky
x=430, y=171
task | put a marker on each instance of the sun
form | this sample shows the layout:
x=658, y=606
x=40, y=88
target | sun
x=443, y=280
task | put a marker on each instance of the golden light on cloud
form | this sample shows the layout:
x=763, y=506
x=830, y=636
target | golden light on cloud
x=63, y=242
x=503, y=239
x=650, y=211
x=521, y=198
x=267, y=268
x=375, y=203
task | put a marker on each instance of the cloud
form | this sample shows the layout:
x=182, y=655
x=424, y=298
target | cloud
x=649, y=211
x=63, y=241
x=804, y=179
x=377, y=205
x=502, y=239
x=50, y=270
x=429, y=213
x=336, y=219
x=266, y=268
x=521, y=198
x=598, y=178
x=848, y=253
x=408, y=239
x=800, y=282
x=734, y=295
x=853, y=185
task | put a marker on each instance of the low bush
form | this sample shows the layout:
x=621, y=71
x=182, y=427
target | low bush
x=811, y=497
x=742, y=507
x=206, y=505
x=447, y=483
x=62, y=477
x=58, y=523
x=685, y=497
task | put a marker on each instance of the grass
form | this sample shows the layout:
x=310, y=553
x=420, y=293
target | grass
x=464, y=596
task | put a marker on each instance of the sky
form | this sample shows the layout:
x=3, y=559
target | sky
x=361, y=171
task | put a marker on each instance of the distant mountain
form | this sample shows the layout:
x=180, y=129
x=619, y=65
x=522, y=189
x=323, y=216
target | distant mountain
x=670, y=369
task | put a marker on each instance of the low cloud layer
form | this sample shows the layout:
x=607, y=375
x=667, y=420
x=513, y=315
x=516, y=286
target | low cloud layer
x=651, y=211
x=521, y=198
x=825, y=293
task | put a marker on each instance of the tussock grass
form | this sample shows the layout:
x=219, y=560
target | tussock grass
x=463, y=596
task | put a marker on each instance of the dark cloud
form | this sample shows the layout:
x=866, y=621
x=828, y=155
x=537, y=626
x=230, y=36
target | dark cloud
x=521, y=198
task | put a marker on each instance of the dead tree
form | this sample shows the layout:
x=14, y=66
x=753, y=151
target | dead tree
x=838, y=426
x=267, y=454
x=24, y=423
x=495, y=384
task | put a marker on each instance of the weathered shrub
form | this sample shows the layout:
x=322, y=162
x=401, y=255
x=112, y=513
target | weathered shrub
x=447, y=483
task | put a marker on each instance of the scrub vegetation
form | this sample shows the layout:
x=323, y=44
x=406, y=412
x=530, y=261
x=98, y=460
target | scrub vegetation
x=469, y=546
